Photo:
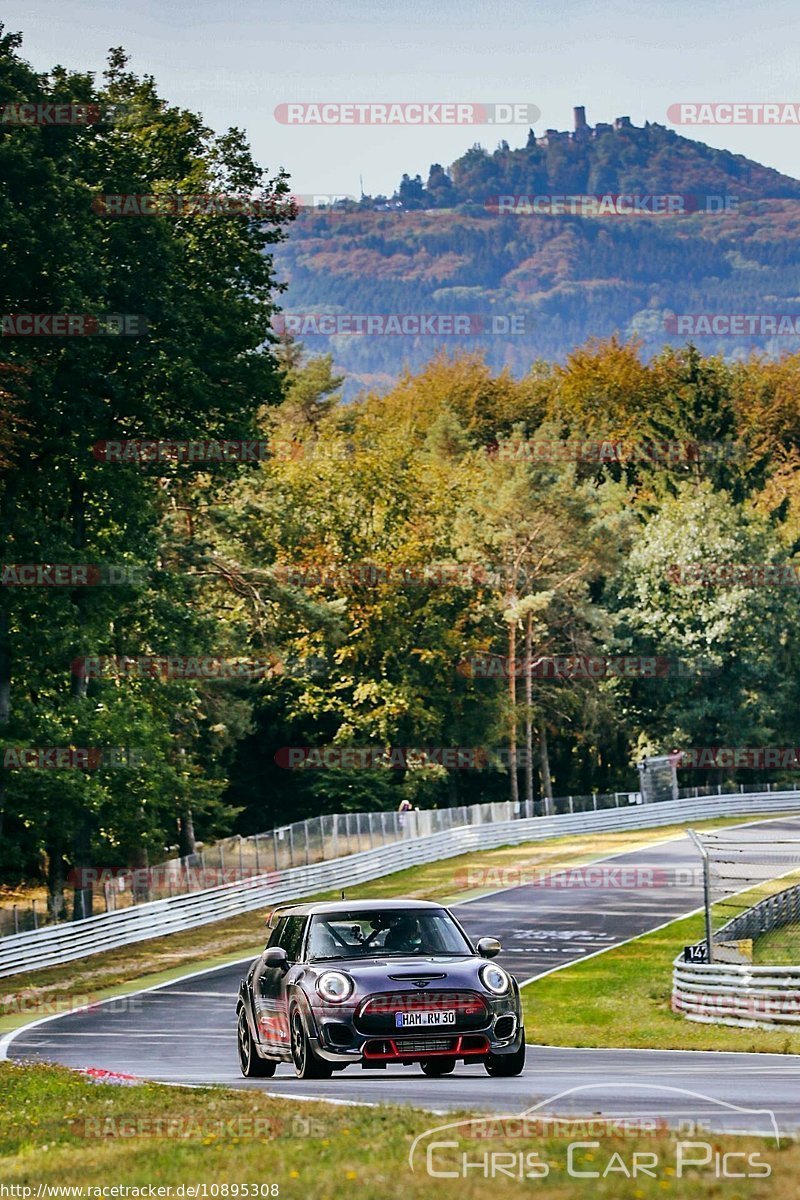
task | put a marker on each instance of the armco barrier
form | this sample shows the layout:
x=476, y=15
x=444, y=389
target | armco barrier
x=773, y=912
x=63, y=943
x=737, y=994
x=756, y=997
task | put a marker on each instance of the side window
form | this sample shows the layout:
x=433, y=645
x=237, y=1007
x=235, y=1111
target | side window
x=292, y=937
x=275, y=934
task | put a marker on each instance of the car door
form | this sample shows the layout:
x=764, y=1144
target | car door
x=269, y=984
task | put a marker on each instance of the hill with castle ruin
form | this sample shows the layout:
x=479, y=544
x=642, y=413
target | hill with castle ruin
x=549, y=234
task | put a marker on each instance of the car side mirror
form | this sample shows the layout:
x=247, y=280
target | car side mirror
x=276, y=956
x=489, y=947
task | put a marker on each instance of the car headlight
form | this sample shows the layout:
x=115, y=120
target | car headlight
x=494, y=979
x=335, y=987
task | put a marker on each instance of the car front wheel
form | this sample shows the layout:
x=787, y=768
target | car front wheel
x=306, y=1063
x=503, y=1066
x=251, y=1066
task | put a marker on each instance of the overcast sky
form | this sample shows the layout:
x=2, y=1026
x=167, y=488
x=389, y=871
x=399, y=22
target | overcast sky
x=236, y=62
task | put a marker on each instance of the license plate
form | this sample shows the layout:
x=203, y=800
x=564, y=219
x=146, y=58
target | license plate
x=404, y=1019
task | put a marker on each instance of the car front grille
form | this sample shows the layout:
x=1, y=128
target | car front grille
x=468, y=1045
x=425, y=1045
x=377, y=1013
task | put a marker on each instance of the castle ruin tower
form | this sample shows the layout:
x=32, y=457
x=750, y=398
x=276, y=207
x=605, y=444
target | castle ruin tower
x=582, y=130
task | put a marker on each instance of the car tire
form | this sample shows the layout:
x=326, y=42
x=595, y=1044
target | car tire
x=434, y=1067
x=503, y=1066
x=306, y=1063
x=251, y=1066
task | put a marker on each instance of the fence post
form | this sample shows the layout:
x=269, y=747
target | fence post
x=291, y=845
x=275, y=847
x=35, y=918
x=16, y=916
x=305, y=834
x=594, y=801
x=258, y=861
x=706, y=894
x=241, y=859
x=571, y=809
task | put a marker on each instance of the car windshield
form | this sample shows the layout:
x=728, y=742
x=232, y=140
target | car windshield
x=392, y=933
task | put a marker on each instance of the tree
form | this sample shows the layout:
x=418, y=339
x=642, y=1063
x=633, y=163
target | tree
x=544, y=537
x=732, y=655
x=206, y=286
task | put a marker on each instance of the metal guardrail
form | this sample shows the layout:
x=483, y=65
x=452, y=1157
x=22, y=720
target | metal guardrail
x=317, y=839
x=762, y=997
x=755, y=997
x=64, y=943
x=773, y=912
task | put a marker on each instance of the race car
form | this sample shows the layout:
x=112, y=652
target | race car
x=370, y=983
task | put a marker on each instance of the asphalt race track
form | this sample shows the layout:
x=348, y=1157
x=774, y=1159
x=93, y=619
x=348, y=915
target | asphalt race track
x=185, y=1032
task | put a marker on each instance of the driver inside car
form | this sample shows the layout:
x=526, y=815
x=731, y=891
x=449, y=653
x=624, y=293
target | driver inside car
x=404, y=936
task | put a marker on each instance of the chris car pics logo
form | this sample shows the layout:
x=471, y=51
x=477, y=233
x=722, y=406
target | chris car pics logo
x=680, y=1135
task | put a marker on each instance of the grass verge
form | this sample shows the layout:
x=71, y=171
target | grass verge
x=621, y=998
x=780, y=947
x=57, y=1129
